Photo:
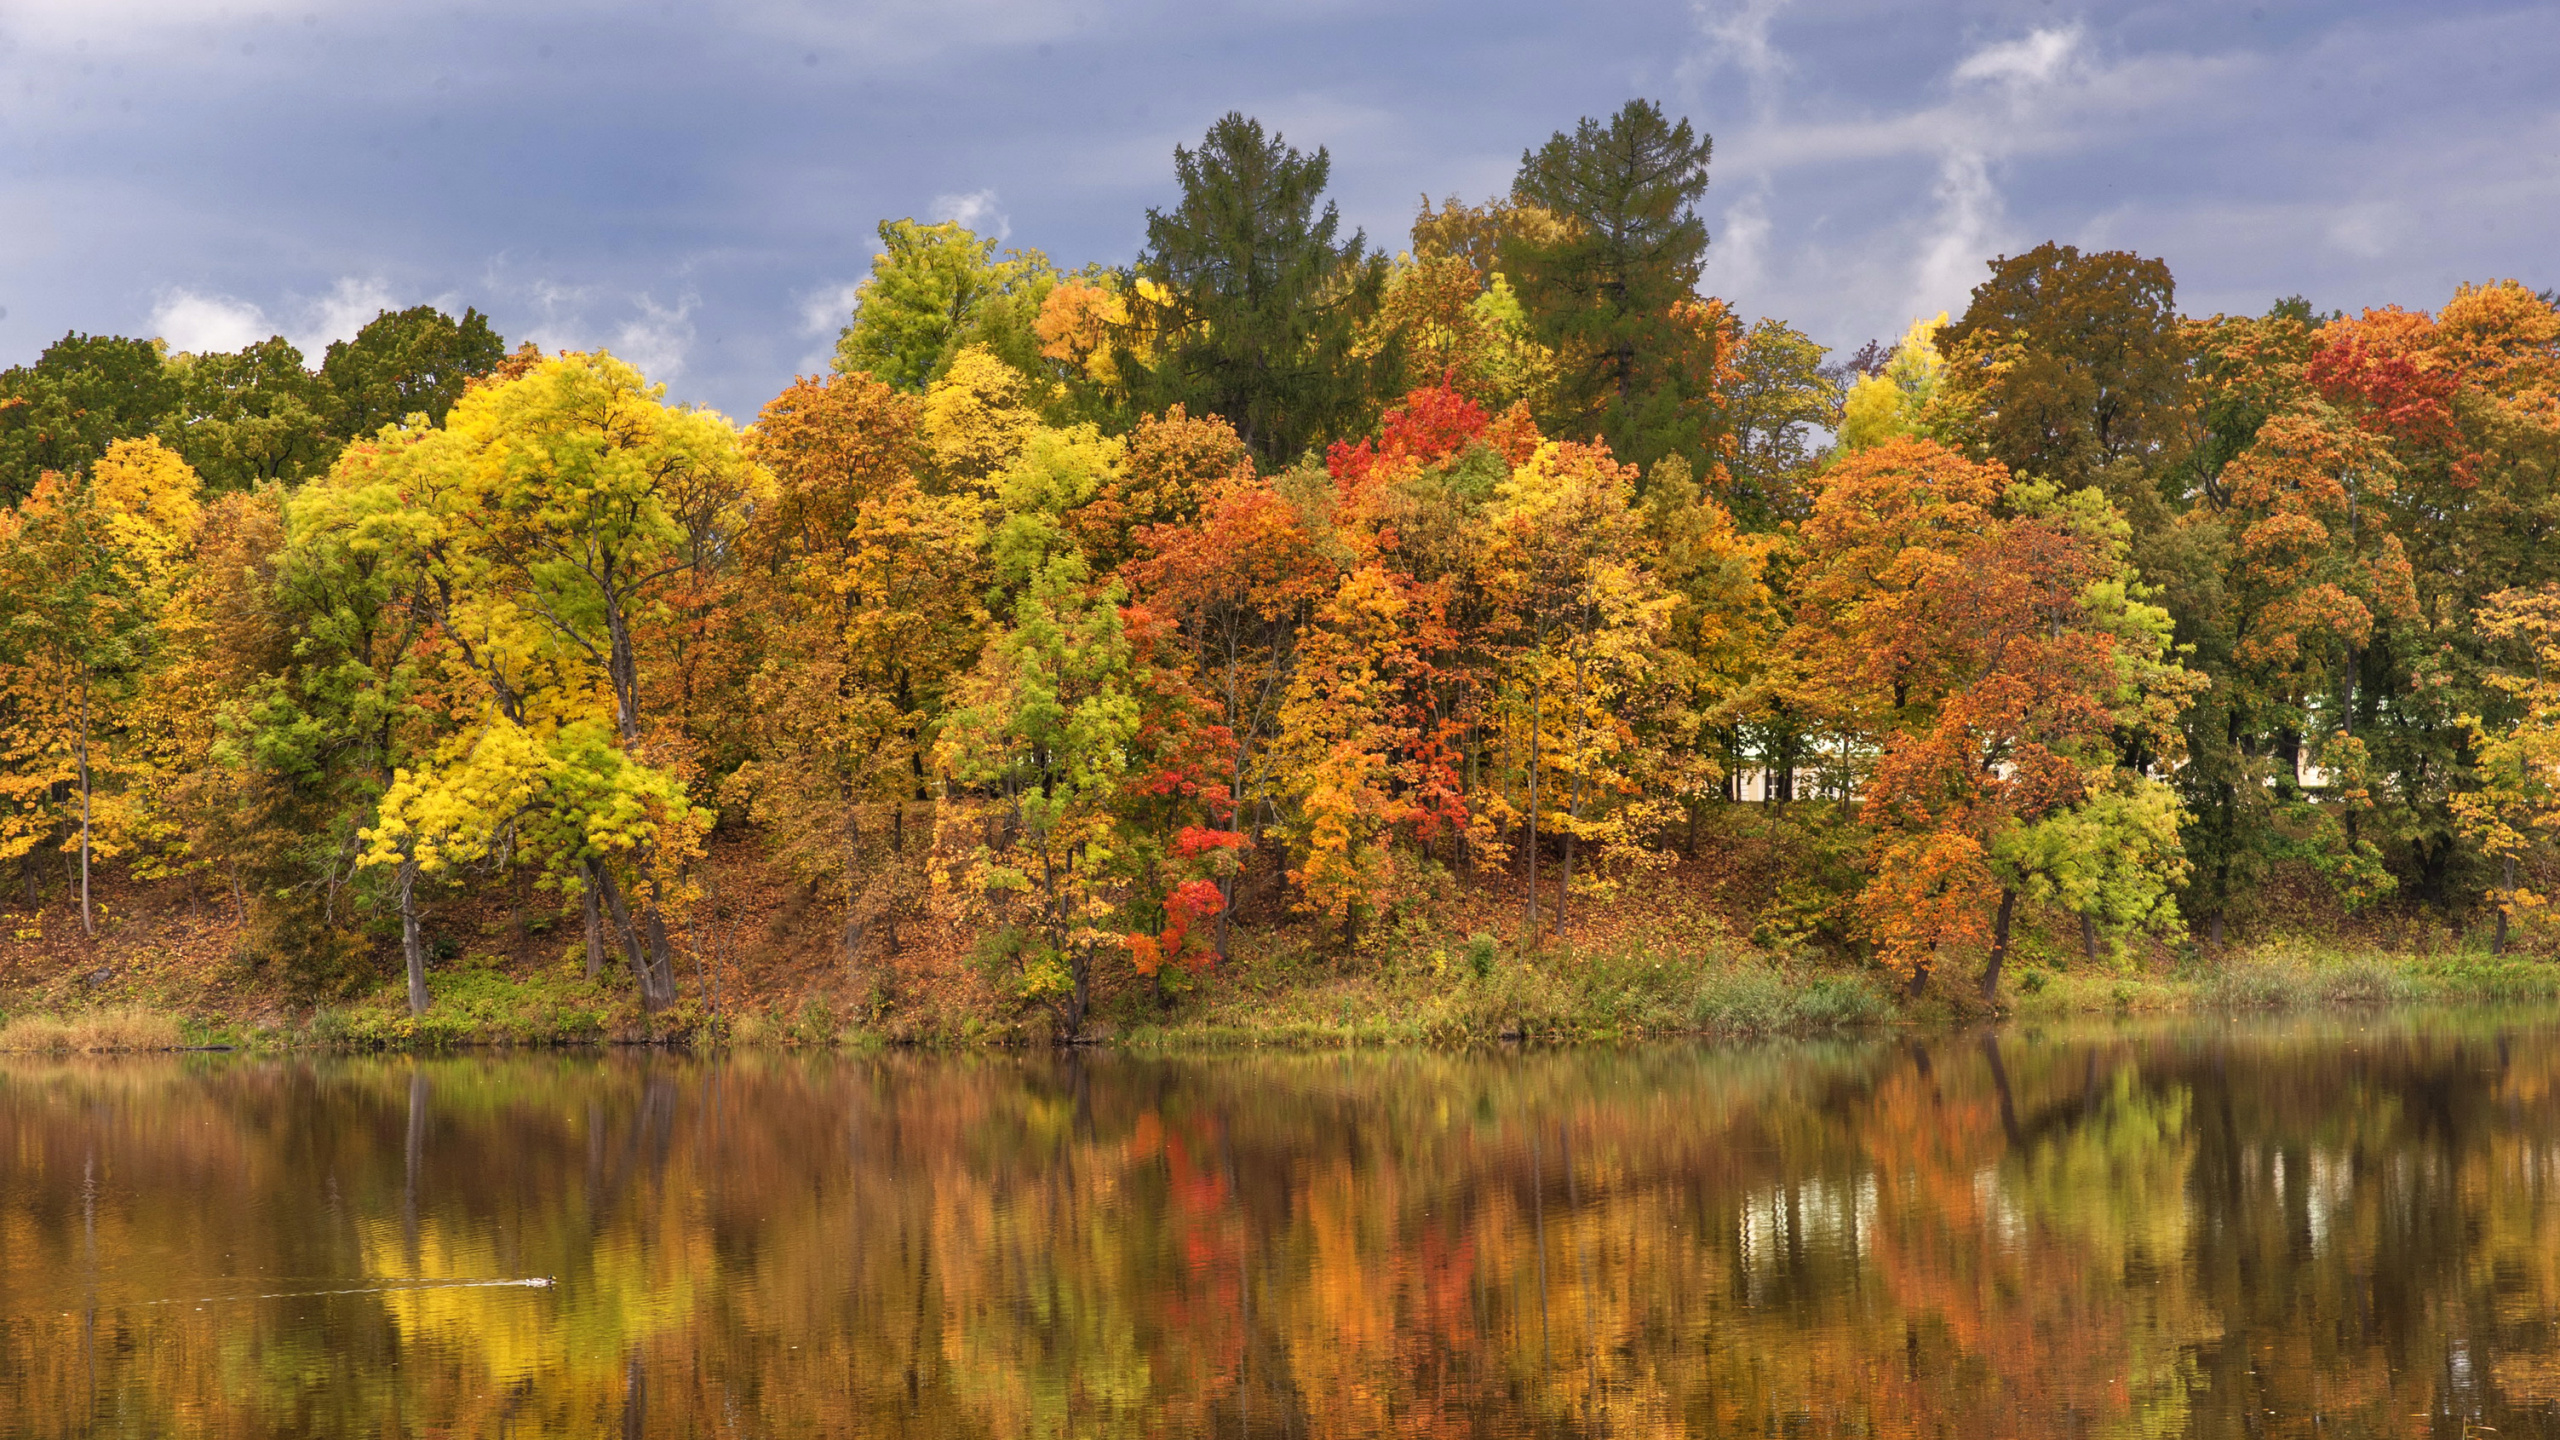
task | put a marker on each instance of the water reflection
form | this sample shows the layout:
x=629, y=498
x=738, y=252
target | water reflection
x=2314, y=1228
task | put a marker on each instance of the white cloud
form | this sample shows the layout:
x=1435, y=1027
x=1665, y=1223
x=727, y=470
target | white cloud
x=824, y=313
x=2040, y=93
x=349, y=306
x=826, y=310
x=1959, y=237
x=1738, y=259
x=657, y=339
x=2035, y=61
x=976, y=210
x=200, y=323
x=1737, y=33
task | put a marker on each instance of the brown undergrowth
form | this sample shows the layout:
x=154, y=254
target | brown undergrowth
x=761, y=961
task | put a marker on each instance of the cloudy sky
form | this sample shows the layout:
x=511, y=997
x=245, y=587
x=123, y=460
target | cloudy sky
x=693, y=185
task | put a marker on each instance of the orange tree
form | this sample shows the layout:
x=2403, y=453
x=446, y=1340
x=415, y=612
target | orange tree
x=1986, y=645
x=864, y=611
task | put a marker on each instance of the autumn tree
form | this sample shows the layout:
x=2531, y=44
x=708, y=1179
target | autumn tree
x=89, y=563
x=861, y=584
x=1457, y=327
x=1986, y=648
x=1353, y=736
x=1042, y=733
x=2514, y=811
x=935, y=290
x=551, y=512
x=2465, y=406
x=1895, y=402
x=1583, y=619
x=1718, y=637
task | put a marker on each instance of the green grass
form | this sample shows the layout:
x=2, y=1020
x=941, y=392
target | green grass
x=2282, y=975
x=476, y=1007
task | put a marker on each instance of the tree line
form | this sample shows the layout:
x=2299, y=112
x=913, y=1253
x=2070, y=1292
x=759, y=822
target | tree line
x=1085, y=607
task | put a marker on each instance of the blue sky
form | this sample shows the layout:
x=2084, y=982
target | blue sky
x=694, y=185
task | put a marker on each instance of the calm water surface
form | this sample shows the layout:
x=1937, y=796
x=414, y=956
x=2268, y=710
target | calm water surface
x=2316, y=1228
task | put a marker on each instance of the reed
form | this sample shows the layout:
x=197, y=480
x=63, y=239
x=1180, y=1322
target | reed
x=122, y=1027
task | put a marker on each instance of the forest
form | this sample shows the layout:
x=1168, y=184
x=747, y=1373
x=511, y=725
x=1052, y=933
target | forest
x=1092, y=623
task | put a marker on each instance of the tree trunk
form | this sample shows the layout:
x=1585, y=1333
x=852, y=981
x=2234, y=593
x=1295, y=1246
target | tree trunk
x=1999, y=946
x=639, y=950
x=658, y=984
x=1071, y=1013
x=1565, y=887
x=595, y=927
x=2507, y=887
x=2089, y=939
x=88, y=927
x=1536, y=745
x=2213, y=933
x=413, y=945
x=853, y=927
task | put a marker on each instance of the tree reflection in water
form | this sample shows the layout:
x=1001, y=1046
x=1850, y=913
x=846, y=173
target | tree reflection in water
x=2330, y=1227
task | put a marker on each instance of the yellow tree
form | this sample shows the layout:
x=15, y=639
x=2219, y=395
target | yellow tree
x=87, y=563
x=1894, y=403
x=1349, y=726
x=1582, y=619
x=2516, y=809
x=552, y=513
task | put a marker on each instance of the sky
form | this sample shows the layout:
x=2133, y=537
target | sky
x=695, y=185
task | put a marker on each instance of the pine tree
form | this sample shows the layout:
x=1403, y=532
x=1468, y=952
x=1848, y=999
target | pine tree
x=1262, y=303
x=1611, y=281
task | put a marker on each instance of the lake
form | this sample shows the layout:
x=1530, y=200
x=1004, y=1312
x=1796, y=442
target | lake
x=2338, y=1226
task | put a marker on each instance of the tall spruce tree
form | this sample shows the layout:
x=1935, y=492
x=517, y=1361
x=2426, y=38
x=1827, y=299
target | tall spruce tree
x=1256, y=304
x=1611, y=280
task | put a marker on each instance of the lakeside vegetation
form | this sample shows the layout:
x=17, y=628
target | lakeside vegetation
x=1279, y=640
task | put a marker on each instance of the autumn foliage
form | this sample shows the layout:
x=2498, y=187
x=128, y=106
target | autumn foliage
x=1003, y=632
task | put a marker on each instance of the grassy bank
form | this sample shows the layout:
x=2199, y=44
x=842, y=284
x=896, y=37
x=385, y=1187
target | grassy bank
x=2291, y=974
x=1473, y=991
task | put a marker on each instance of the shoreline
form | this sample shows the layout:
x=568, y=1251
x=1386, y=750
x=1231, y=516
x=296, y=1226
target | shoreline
x=1579, y=1000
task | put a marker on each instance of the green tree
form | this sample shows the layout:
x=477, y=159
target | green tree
x=407, y=362
x=1611, y=282
x=253, y=416
x=1259, y=313
x=1043, y=733
x=84, y=393
x=935, y=290
x=1778, y=397
x=2073, y=368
